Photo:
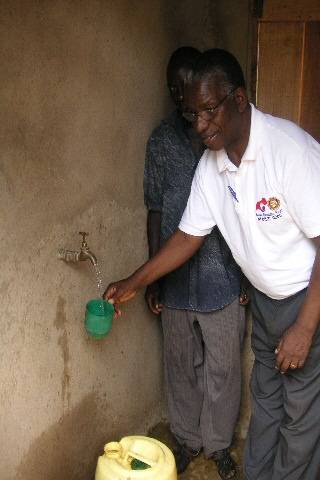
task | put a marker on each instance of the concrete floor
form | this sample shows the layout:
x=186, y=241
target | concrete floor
x=200, y=468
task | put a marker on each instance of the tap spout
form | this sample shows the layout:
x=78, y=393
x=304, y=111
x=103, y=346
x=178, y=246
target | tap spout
x=87, y=255
x=74, y=256
x=78, y=256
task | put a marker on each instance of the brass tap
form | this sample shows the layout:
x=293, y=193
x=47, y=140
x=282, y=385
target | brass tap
x=78, y=256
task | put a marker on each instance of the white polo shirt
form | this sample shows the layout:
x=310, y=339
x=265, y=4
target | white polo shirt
x=268, y=209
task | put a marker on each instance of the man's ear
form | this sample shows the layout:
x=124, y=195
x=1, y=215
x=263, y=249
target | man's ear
x=241, y=99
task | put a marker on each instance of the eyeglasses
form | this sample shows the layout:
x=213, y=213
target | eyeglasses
x=208, y=113
x=173, y=89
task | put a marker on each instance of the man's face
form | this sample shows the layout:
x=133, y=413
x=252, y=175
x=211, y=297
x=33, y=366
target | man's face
x=218, y=120
x=176, y=82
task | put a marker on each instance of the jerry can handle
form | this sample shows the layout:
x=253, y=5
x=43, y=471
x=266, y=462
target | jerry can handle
x=113, y=450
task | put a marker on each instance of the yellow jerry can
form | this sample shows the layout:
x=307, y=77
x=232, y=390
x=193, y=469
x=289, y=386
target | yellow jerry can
x=136, y=458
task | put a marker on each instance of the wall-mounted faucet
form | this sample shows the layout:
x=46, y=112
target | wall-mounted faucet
x=78, y=256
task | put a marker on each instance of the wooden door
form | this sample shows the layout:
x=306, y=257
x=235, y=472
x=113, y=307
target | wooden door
x=288, y=62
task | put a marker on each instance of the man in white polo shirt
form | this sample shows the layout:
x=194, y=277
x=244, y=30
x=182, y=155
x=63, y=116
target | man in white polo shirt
x=259, y=183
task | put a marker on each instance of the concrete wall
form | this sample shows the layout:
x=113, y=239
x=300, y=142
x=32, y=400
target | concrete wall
x=212, y=23
x=82, y=85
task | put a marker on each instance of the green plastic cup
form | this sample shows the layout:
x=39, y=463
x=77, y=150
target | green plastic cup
x=98, y=319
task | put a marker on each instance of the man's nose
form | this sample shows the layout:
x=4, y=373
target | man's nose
x=200, y=124
x=180, y=94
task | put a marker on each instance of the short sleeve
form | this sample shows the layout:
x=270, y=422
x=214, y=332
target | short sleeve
x=302, y=189
x=153, y=174
x=197, y=218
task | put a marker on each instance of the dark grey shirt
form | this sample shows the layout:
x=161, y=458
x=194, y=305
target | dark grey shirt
x=210, y=280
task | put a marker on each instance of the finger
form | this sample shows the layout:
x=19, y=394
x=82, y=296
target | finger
x=109, y=292
x=278, y=348
x=293, y=365
x=117, y=311
x=243, y=301
x=242, y=298
x=158, y=308
x=152, y=303
x=154, y=307
x=280, y=357
x=284, y=365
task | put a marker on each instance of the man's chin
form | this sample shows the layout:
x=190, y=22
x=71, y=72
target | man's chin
x=213, y=145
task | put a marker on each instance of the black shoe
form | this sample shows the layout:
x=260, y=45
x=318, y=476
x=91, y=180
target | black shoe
x=183, y=456
x=227, y=467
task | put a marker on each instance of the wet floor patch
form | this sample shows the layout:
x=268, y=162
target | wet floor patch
x=200, y=468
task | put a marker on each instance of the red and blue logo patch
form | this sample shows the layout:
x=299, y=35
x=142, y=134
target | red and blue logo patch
x=268, y=209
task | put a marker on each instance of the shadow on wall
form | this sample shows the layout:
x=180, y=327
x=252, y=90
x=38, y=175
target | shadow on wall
x=211, y=24
x=197, y=27
x=67, y=449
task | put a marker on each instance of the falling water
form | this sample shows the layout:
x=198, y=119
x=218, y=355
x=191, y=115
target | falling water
x=98, y=280
x=99, y=284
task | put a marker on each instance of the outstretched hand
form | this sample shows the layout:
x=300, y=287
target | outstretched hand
x=119, y=292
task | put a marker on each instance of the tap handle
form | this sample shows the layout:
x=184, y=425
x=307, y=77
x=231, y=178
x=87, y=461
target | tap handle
x=84, y=243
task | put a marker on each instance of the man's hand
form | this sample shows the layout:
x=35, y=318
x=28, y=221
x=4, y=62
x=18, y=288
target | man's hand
x=176, y=251
x=244, y=298
x=152, y=297
x=119, y=292
x=295, y=344
x=293, y=348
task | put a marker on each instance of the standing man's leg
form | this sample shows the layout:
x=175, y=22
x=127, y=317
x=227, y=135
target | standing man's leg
x=223, y=332
x=183, y=367
x=266, y=393
x=266, y=416
x=298, y=453
x=284, y=435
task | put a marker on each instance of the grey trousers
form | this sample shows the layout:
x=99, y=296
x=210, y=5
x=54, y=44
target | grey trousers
x=203, y=374
x=284, y=434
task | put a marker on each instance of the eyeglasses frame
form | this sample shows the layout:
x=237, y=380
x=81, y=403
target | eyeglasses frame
x=192, y=117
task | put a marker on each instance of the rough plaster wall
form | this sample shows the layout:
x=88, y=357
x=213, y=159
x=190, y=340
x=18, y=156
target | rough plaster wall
x=82, y=85
x=212, y=23
x=77, y=82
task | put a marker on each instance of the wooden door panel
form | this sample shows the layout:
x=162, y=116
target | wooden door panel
x=289, y=10
x=279, y=68
x=310, y=98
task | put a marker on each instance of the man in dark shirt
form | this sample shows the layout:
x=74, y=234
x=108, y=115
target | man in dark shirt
x=202, y=320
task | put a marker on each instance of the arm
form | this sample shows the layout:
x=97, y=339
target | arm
x=176, y=251
x=153, y=232
x=152, y=294
x=295, y=344
x=153, y=185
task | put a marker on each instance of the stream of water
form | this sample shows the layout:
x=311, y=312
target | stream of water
x=99, y=284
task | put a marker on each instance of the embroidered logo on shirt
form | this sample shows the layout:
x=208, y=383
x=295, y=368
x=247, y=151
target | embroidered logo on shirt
x=268, y=209
x=233, y=193
x=273, y=203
